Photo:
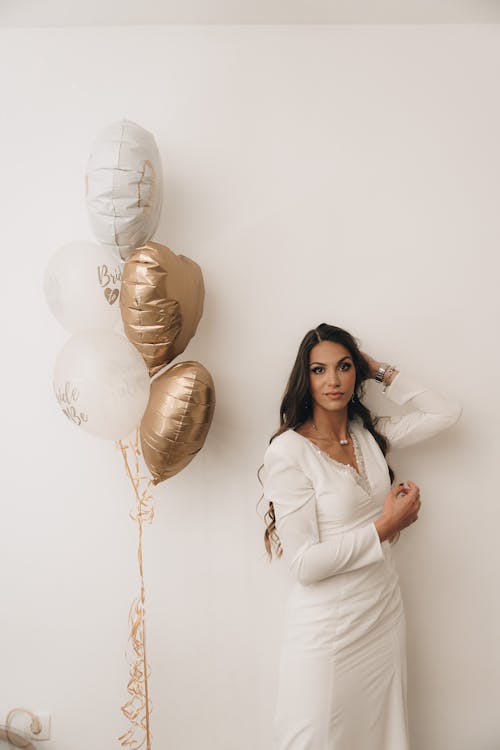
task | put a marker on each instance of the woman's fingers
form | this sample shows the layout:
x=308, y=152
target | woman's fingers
x=408, y=508
x=399, y=488
x=413, y=488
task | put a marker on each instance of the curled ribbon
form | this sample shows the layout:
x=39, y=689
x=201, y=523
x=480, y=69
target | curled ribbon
x=138, y=707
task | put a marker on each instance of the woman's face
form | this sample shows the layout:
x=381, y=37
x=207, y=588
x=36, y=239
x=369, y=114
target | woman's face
x=331, y=370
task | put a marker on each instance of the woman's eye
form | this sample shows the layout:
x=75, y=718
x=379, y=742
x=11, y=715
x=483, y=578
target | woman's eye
x=315, y=370
x=346, y=365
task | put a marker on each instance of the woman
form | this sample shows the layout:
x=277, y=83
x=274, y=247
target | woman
x=333, y=514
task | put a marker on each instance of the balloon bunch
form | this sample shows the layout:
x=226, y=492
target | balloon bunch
x=102, y=380
x=109, y=384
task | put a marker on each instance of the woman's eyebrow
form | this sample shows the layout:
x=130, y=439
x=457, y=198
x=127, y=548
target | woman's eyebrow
x=323, y=364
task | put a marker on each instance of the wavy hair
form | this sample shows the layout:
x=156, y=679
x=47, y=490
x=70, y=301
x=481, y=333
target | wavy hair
x=296, y=408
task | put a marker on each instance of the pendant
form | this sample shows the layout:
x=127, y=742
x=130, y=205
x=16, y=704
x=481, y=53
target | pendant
x=342, y=442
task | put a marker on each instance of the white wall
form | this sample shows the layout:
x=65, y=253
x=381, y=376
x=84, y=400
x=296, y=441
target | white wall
x=343, y=174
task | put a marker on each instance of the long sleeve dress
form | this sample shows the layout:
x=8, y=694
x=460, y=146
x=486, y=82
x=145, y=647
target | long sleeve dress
x=342, y=676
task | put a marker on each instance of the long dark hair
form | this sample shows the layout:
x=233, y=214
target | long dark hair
x=296, y=407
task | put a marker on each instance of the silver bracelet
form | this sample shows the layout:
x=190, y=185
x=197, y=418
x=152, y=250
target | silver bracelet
x=379, y=375
x=388, y=373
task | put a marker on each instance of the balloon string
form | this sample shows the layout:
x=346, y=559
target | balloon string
x=138, y=708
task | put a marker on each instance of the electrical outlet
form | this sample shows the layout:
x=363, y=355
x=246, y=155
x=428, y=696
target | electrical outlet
x=43, y=725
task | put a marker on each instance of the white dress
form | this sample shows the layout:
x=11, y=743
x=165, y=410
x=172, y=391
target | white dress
x=342, y=677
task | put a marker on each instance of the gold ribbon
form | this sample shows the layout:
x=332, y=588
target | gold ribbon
x=138, y=707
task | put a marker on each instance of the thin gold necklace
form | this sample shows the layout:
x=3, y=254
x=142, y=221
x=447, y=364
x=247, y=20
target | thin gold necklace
x=342, y=442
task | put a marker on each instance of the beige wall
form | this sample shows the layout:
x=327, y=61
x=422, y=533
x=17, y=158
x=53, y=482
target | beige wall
x=346, y=175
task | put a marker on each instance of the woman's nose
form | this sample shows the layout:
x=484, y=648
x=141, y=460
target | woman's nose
x=333, y=378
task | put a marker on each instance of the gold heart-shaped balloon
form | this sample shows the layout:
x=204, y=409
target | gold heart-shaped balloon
x=177, y=419
x=161, y=303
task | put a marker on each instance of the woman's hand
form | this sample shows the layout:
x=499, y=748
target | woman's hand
x=401, y=507
x=373, y=364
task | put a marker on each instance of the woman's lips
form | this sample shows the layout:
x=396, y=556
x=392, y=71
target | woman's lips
x=334, y=395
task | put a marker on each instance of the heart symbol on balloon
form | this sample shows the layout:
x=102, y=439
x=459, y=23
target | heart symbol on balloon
x=111, y=295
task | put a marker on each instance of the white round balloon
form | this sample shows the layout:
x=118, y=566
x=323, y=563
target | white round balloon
x=123, y=187
x=82, y=286
x=102, y=383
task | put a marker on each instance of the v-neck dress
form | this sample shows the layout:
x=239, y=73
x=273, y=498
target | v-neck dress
x=342, y=676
